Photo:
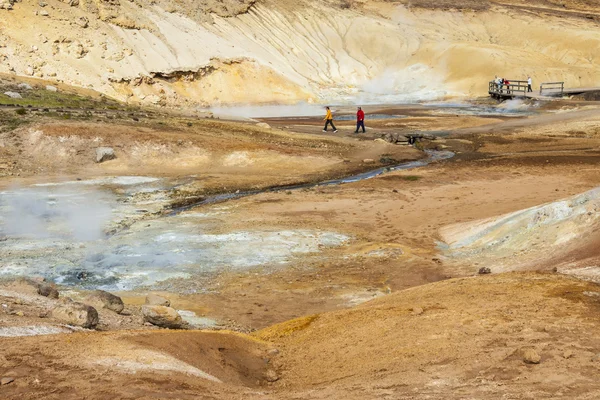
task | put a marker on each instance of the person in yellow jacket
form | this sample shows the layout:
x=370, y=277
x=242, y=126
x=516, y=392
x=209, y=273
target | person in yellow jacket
x=329, y=120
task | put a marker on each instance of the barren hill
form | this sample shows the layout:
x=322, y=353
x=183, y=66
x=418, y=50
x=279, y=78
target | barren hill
x=175, y=52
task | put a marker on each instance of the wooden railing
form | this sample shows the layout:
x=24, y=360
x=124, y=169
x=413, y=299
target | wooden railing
x=552, y=88
x=514, y=88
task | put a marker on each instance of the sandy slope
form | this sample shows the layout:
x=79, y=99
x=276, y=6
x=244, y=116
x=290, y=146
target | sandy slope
x=299, y=51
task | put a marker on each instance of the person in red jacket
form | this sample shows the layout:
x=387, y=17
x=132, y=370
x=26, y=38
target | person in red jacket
x=360, y=120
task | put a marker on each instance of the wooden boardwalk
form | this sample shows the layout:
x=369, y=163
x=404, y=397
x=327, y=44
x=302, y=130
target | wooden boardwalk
x=547, y=90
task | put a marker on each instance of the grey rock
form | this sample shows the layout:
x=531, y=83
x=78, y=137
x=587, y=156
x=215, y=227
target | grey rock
x=76, y=314
x=51, y=88
x=102, y=299
x=165, y=317
x=43, y=13
x=156, y=300
x=24, y=86
x=13, y=95
x=105, y=154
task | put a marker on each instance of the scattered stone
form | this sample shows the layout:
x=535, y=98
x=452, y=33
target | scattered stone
x=271, y=376
x=82, y=22
x=596, y=358
x=43, y=13
x=29, y=71
x=6, y=380
x=77, y=314
x=273, y=352
x=165, y=317
x=368, y=161
x=51, y=88
x=102, y=299
x=417, y=311
x=105, y=154
x=156, y=300
x=484, y=271
x=6, y=4
x=24, y=86
x=263, y=125
x=13, y=95
x=568, y=354
x=530, y=356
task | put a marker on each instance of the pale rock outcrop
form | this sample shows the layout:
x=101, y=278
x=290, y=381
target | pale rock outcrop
x=105, y=154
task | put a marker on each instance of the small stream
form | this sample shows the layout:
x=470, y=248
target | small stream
x=432, y=156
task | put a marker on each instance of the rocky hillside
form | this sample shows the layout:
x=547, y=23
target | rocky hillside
x=209, y=52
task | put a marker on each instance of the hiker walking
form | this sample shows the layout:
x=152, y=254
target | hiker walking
x=329, y=120
x=529, y=81
x=360, y=120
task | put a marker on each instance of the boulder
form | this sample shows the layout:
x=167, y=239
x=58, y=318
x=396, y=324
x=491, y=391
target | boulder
x=165, y=317
x=13, y=95
x=484, y=271
x=76, y=314
x=24, y=86
x=102, y=299
x=105, y=154
x=530, y=356
x=156, y=300
x=51, y=88
x=394, y=138
x=263, y=125
x=47, y=290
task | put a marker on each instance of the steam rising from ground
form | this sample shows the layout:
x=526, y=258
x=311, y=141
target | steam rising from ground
x=59, y=232
x=43, y=213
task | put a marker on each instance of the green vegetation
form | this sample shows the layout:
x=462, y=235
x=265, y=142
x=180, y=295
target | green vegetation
x=9, y=121
x=21, y=111
x=411, y=178
x=40, y=97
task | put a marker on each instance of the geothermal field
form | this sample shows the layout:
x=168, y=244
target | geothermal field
x=175, y=223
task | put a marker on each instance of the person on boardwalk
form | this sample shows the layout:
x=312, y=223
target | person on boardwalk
x=507, y=83
x=529, y=82
x=360, y=120
x=329, y=120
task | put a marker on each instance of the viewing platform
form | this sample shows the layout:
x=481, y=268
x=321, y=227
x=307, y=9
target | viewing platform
x=547, y=90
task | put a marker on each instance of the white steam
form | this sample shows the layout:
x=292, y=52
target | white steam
x=60, y=214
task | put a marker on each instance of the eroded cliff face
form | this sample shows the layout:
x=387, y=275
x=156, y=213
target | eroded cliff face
x=174, y=53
